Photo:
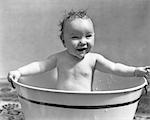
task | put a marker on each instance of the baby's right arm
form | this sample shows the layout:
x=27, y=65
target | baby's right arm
x=33, y=68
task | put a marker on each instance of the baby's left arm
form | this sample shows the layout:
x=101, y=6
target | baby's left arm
x=107, y=66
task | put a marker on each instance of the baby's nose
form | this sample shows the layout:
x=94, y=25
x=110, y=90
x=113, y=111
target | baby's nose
x=82, y=42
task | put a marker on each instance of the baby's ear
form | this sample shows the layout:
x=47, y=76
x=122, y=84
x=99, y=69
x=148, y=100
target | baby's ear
x=63, y=41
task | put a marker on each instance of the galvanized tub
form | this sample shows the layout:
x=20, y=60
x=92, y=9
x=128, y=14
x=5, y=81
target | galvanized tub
x=43, y=103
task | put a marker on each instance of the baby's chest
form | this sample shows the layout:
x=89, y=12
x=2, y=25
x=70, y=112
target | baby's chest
x=78, y=70
x=83, y=67
x=83, y=70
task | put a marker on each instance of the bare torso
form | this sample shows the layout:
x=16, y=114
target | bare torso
x=75, y=74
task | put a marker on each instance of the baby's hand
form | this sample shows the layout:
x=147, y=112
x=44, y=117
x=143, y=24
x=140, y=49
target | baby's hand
x=13, y=75
x=142, y=72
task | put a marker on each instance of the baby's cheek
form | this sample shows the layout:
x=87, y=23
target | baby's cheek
x=75, y=43
x=89, y=46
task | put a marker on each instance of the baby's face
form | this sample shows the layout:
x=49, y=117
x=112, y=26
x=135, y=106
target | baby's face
x=79, y=36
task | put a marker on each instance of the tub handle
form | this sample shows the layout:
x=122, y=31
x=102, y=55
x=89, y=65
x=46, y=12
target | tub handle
x=147, y=83
x=12, y=84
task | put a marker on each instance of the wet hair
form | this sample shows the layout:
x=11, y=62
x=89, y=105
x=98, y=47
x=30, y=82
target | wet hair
x=69, y=17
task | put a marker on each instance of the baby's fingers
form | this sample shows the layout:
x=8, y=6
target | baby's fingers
x=147, y=68
x=9, y=77
x=147, y=75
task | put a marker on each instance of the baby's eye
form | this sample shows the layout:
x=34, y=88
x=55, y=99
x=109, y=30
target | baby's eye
x=88, y=36
x=75, y=37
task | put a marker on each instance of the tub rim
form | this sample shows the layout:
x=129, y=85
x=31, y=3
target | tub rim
x=145, y=83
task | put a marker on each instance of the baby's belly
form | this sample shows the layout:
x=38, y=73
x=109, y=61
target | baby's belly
x=73, y=85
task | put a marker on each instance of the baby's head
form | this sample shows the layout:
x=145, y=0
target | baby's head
x=77, y=33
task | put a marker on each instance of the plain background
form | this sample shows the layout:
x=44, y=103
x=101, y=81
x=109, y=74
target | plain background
x=29, y=31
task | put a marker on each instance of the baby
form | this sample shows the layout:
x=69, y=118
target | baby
x=76, y=64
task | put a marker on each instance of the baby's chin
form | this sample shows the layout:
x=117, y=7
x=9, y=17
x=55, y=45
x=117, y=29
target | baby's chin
x=78, y=56
x=81, y=55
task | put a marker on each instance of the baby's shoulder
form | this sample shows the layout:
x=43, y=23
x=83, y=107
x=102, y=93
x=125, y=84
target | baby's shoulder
x=94, y=55
x=55, y=55
x=92, y=58
x=60, y=55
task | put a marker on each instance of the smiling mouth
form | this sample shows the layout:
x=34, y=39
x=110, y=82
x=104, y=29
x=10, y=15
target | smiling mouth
x=81, y=49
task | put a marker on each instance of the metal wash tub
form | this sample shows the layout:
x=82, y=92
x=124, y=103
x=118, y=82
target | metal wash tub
x=42, y=103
